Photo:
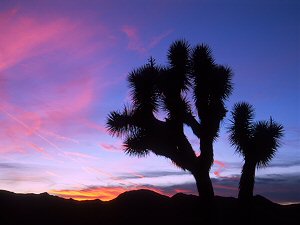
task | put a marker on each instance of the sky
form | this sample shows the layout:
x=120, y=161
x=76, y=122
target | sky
x=63, y=68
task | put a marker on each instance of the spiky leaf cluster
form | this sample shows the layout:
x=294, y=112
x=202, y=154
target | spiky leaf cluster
x=143, y=87
x=179, y=61
x=256, y=141
x=211, y=87
x=241, y=128
x=266, y=140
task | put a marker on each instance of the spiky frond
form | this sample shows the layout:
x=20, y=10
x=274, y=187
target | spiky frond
x=212, y=86
x=143, y=85
x=202, y=59
x=221, y=84
x=178, y=54
x=202, y=65
x=136, y=144
x=266, y=140
x=179, y=60
x=120, y=123
x=241, y=128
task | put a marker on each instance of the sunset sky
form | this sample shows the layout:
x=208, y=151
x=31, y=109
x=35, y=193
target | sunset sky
x=63, y=68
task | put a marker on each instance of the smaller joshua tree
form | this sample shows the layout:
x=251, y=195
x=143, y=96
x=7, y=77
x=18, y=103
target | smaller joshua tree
x=256, y=141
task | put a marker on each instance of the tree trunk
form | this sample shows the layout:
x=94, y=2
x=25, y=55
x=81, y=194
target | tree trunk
x=204, y=185
x=201, y=172
x=247, y=180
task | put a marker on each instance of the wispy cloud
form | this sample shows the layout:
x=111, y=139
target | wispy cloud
x=135, y=42
x=152, y=174
x=220, y=168
x=111, y=147
x=79, y=155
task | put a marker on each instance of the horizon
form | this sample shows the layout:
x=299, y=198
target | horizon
x=64, y=67
x=108, y=200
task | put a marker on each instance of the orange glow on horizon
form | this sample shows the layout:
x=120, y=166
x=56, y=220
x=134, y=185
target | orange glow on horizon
x=102, y=193
x=106, y=193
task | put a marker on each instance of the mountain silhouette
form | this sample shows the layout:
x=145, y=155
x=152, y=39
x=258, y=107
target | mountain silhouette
x=141, y=207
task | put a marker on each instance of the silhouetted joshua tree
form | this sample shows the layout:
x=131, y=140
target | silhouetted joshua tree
x=256, y=141
x=190, y=91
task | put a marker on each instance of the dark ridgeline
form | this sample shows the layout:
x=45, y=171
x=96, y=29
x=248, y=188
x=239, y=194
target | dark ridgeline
x=141, y=207
x=190, y=90
x=257, y=142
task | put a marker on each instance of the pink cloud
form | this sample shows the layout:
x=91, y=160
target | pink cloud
x=219, y=169
x=136, y=44
x=37, y=148
x=110, y=147
x=79, y=155
x=27, y=36
x=24, y=37
x=157, y=39
x=59, y=136
x=94, y=126
x=18, y=122
x=71, y=98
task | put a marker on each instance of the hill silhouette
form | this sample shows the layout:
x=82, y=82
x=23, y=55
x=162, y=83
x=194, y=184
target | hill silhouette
x=141, y=207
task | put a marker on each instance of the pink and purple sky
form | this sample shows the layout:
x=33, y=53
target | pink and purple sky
x=63, y=68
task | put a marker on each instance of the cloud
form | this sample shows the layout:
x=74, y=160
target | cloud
x=37, y=148
x=157, y=39
x=24, y=37
x=136, y=44
x=220, y=168
x=111, y=147
x=285, y=164
x=292, y=137
x=78, y=155
x=13, y=166
x=152, y=174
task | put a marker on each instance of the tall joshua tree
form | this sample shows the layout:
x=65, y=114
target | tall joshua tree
x=167, y=90
x=256, y=141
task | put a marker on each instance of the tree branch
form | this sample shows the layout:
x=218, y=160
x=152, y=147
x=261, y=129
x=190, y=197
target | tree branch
x=190, y=120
